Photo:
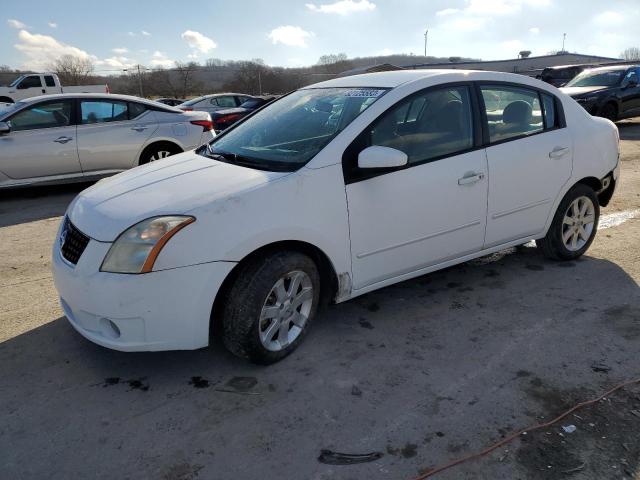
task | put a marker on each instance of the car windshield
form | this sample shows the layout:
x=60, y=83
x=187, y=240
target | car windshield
x=607, y=78
x=193, y=101
x=16, y=81
x=289, y=132
x=10, y=107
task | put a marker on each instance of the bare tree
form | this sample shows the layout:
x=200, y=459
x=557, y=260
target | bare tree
x=631, y=54
x=186, y=81
x=73, y=70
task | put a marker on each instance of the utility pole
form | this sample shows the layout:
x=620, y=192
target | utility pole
x=564, y=37
x=140, y=81
x=426, y=36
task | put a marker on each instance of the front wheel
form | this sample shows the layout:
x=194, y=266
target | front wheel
x=574, y=225
x=610, y=112
x=270, y=306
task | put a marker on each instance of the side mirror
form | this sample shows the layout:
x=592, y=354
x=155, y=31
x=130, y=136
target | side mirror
x=5, y=128
x=381, y=157
x=631, y=82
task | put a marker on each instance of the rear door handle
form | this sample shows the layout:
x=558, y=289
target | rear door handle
x=139, y=128
x=558, y=152
x=63, y=140
x=470, y=178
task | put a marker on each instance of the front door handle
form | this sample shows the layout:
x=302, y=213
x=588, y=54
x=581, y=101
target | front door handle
x=63, y=140
x=139, y=128
x=558, y=152
x=470, y=178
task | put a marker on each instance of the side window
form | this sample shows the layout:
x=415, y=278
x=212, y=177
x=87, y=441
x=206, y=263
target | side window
x=428, y=125
x=136, y=109
x=549, y=107
x=227, y=102
x=213, y=101
x=49, y=81
x=43, y=115
x=30, y=82
x=102, y=111
x=511, y=112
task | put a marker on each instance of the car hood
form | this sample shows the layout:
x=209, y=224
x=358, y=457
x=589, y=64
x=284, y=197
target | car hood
x=577, y=91
x=175, y=185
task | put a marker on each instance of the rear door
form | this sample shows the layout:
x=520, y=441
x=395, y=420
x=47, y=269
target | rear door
x=112, y=133
x=50, y=85
x=42, y=142
x=529, y=157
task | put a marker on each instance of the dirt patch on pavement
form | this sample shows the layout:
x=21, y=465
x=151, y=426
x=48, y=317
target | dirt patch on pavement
x=597, y=440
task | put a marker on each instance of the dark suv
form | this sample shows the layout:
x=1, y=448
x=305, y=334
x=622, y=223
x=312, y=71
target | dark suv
x=559, y=76
x=610, y=92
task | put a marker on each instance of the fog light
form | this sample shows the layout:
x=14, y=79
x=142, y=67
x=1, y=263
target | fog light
x=109, y=328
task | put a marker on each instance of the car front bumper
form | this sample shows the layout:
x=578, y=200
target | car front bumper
x=161, y=310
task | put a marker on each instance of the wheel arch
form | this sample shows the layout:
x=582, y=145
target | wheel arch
x=331, y=285
x=155, y=143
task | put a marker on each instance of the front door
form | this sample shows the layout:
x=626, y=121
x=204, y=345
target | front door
x=631, y=94
x=111, y=133
x=430, y=211
x=529, y=159
x=42, y=142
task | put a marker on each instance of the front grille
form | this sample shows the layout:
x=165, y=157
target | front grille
x=72, y=242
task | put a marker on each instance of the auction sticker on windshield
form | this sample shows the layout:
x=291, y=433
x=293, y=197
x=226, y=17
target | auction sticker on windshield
x=364, y=92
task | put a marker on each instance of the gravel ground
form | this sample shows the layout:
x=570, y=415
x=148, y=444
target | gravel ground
x=423, y=372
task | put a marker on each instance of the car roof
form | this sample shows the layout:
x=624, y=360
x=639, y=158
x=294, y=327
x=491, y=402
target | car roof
x=105, y=96
x=613, y=67
x=396, y=78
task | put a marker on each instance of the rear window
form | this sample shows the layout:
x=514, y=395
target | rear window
x=102, y=111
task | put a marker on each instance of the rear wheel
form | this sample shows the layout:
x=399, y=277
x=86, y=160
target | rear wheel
x=6, y=100
x=270, y=306
x=158, y=151
x=574, y=225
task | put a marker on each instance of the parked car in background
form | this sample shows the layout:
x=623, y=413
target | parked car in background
x=558, y=76
x=66, y=138
x=609, y=92
x=36, y=84
x=332, y=191
x=173, y=102
x=223, y=119
x=216, y=101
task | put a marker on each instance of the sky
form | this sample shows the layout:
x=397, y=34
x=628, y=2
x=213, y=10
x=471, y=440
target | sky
x=120, y=33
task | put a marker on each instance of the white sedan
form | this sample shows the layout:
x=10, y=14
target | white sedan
x=82, y=137
x=330, y=192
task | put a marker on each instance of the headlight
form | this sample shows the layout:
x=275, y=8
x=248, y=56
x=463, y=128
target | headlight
x=136, y=249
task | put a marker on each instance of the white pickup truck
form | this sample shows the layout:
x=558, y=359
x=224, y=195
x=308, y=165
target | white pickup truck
x=34, y=84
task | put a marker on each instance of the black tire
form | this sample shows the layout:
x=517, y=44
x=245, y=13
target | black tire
x=246, y=297
x=154, y=152
x=609, y=111
x=6, y=100
x=552, y=245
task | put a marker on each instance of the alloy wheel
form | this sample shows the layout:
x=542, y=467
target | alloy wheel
x=159, y=155
x=286, y=310
x=578, y=223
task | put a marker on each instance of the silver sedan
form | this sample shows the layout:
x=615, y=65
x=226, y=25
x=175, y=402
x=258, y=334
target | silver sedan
x=67, y=138
x=214, y=102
